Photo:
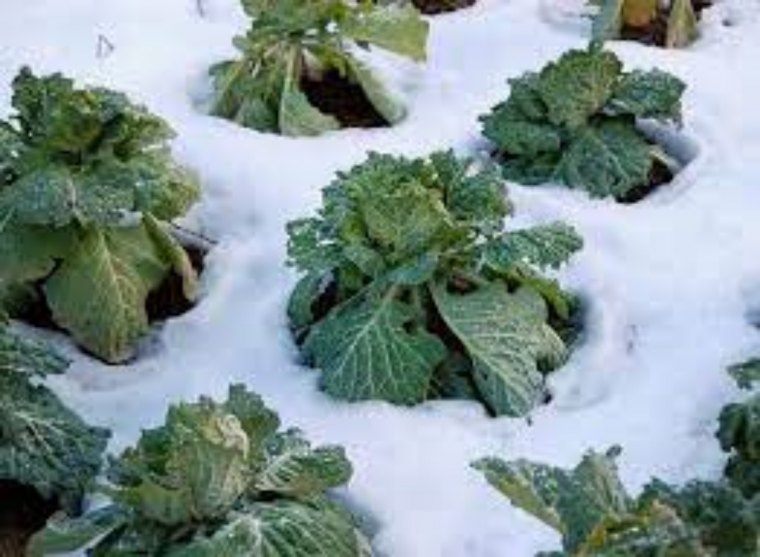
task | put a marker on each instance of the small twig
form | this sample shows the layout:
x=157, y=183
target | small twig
x=105, y=47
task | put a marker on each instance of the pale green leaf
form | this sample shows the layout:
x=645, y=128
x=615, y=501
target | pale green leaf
x=21, y=355
x=608, y=21
x=546, y=246
x=398, y=28
x=175, y=254
x=388, y=107
x=682, y=24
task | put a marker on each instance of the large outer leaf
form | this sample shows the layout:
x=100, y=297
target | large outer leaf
x=296, y=115
x=544, y=246
x=397, y=28
x=99, y=292
x=739, y=434
x=294, y=469
x=45, y=445
x=283, y=529
x=572, y=502
x=682, y=24
x=365, y=352
x=65, y=535
x=608, y=160
x=28, y=253
x=20, y=355
x=653, y=94
x=507, y=337
x=175, y=254
x=578, y=85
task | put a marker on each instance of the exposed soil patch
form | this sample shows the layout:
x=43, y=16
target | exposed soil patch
x=22, y=513
x=655, y=33
x=335, y=95
x=432, y=7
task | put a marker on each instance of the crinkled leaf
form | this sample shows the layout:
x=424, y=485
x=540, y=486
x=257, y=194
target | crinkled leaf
x=507, y=337
x=746, y=374
x=396, y=28
x=63, y=534
x=682, y=24
x=43, y=444
x=578, y=85
x=653, y=94
x=301, y=303
x=29, y=253
x=295, y=469
x=98, y=293
x=367, y=352
x=572, y=502
x=257, y=420
x=547, y=246
x=739, y=434
x=24, y=356
x=283, y=529
x=607, y=160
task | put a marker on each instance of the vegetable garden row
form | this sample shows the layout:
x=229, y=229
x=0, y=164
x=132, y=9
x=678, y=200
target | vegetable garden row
x=414, y=286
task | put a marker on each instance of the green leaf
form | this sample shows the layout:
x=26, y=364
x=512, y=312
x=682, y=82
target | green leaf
x=608, y=22
x=654, y=94
x=294, y=469
x=63, y=534
x=302, y=300
x=608, y=160
x=283, y=529
x=739, y=434
x=297, y=116
x=506, y=336
x=572, y=502
x=682, y=25
x=547, y=246
x=366, y=352
x=43, y=444
x=388, y=107
x=396, y=28
x=29, y=253
x=175, y=254
x=578, y=85
x=746, y=374
x=24, y=356
x=98, y=293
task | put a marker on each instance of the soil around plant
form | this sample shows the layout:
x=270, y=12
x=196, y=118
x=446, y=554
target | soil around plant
x=22, y=513
x=433, y=7
x=655, y=34
x=335, y=95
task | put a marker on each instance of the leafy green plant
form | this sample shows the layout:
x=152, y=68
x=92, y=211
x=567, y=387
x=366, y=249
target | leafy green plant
x=596, y=517
x=673, y=26
x=412, y=289
x=574, y=122
x=739, y=432
x=217, y=479
x=433, y=7
x=87, y=184
x=43, y=444
x=294, y=42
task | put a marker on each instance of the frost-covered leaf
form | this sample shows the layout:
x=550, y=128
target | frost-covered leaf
x=43, y=444
x=367, y=352
x=578, y=85
x=572, y=502
x=24, y=356
x=297, y=116
x=682, y=24
x=65, y=535
x=507, y=338
x=283, y=529
x=98, y=293
x=653, y=94
x=29, y=253
x=608, y=160
x=396, y=28
x=174, y=254
x=746, y=374
x=388, y=107
x=547, y=246
x=295, y=469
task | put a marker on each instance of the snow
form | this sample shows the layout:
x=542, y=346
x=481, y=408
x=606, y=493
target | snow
x=671, y=283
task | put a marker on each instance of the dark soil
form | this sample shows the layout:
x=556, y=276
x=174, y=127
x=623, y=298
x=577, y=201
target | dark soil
x=432, y=7
x=22, y=513
x=656, y=33
x=335, y=95
x=659, y=175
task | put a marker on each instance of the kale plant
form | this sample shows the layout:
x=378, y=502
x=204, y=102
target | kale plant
x=217, y=479
x=87, y=184
x=574, y=122
x=596, y=517
x=43, y=444
x=413, y=289
x=291, y=41
x=616, y=19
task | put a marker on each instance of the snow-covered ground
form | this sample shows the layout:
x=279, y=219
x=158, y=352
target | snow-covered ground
x=672, y=282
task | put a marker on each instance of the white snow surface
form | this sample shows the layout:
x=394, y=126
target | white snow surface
x=672, y=282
